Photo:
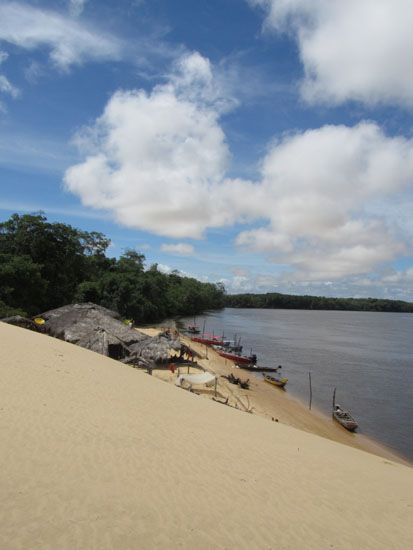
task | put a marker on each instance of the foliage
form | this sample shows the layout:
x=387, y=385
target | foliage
x=45, y=265
x=275, y=300
x=7, y=311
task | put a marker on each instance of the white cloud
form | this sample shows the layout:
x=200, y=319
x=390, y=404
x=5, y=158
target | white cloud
x=6, y=87
x=76, y=7
x=179, y=249
x=316, y=185
x=69, y=42
x=163, y=268
x=158, y=160
x=352, y=49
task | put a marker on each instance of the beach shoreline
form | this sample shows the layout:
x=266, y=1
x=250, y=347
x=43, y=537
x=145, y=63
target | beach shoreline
x=274, y=403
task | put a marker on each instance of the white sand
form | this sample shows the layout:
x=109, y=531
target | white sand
x=98, y=455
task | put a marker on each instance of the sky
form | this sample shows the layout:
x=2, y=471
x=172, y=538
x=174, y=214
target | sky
x=265, y=144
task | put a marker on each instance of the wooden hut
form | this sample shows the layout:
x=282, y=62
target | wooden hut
x=101, y=330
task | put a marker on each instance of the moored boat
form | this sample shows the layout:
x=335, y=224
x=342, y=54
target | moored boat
x=344, y=418
x=276, y=380
x=236, y=357
x=208, y=339
x=193, y=328
x=233, y=345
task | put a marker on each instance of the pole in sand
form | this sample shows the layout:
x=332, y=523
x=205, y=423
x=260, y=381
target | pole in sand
x=311, y=391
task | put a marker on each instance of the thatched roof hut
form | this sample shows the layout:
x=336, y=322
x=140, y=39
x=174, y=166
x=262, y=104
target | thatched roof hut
x=99, y=329
x=20, y=321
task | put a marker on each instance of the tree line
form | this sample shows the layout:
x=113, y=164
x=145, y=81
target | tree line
x=46, y=265
x=275, y=300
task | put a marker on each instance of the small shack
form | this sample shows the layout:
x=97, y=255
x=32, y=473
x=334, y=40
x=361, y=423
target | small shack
x=101, y=330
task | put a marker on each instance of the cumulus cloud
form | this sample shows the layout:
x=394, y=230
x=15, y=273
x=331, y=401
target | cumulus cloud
x=158, y=160
x=69, y=42
x=352, y=49
x=179, y=249
x=316, y=185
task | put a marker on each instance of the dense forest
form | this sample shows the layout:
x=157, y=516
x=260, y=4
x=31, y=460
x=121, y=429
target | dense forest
x=274, y=300
x=46, y=265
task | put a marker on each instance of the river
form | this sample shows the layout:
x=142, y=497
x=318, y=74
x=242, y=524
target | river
x=368, y=356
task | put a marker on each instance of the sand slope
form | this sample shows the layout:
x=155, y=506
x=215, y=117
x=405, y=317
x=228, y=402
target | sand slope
x=98, y=455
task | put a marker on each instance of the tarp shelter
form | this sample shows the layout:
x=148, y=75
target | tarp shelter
x=205, y=378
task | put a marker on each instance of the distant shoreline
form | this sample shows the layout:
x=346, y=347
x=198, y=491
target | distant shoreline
x=275, y=300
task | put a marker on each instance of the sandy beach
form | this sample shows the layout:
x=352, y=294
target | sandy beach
x=272, y=403
x=99, y=455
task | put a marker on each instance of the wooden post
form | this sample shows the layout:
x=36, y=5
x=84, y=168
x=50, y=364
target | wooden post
x=311, y=391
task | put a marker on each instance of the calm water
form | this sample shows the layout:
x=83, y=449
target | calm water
x=367, y=356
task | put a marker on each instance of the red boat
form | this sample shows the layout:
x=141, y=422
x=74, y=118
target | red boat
x=208, y=340
x=252, y=359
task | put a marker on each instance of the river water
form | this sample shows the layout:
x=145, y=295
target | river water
x=367, y=356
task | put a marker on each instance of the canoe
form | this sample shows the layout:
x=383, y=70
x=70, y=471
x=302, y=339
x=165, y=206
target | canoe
x=276, y=380
x=344, y=418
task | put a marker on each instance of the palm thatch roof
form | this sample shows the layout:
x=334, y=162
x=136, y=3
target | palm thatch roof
x=101, y=330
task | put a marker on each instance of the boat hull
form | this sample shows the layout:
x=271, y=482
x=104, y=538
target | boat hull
x=242, y=359
x=207, y=341
x=280, y=382
x=349, y=424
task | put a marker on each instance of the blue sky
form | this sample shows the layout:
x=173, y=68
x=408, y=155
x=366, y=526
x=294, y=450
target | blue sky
x=263, y=143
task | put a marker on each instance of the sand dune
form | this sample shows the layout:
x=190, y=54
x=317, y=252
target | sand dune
x=98, y=455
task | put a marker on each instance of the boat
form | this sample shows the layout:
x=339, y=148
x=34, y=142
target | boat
x=344, y=418
x=236, y=357
x=233, y=345
x=193, y=329
x=208, y=340
x=279, y=381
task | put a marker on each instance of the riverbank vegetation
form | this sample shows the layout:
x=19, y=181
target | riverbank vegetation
x=275, y=300
x=46, y=265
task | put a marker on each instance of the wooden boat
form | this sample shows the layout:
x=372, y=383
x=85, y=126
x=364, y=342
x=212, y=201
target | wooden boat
x=233, y=345
x=344, y=418
x=279, y=381
x=236, y=357
x=193, y=328
x=208, y=340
